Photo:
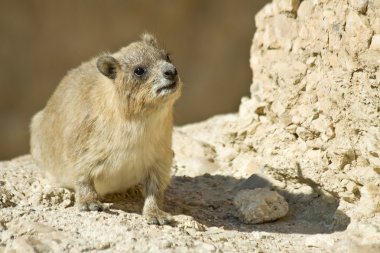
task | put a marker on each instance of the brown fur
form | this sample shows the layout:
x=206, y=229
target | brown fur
x=106, y=128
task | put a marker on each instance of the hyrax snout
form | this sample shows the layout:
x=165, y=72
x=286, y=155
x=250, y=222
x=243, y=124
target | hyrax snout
x=108, y=126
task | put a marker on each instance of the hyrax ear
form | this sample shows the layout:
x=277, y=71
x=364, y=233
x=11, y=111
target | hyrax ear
x=108, y=66
x=149, y=39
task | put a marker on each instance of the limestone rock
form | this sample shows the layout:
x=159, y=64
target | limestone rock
x=319, y=241
x=321, y=87
x=375, y=43
x=32, y=237
x=265, y=12
x=305, y=9
x=359, y=237
x=260, y=205
x=285, y=5
x=196, y=155
x=205, y=247
x=359, y=5
x=370, y=199
x=5, y=198
x=246, y=163
x=358, y=32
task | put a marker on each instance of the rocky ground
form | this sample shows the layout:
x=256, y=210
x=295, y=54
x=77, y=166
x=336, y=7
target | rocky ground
x=37, y=218
x=306, y=145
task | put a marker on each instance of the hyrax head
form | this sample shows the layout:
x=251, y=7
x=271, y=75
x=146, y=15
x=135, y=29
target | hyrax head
x=142, y=74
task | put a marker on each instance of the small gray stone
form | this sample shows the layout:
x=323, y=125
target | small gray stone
x=260, y=205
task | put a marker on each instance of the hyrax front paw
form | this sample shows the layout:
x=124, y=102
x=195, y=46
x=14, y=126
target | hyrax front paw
x=158, y=217
x=86, y=197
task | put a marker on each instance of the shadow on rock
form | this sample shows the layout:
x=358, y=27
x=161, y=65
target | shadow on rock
x=131, y=201
x=209, y=200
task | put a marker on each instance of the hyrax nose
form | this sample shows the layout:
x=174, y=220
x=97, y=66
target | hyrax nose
x=170, y=72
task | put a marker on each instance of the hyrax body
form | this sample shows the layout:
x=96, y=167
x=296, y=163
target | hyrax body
x=108, y=126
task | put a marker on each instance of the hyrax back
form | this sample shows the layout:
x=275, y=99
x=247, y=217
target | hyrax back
x=108, y=126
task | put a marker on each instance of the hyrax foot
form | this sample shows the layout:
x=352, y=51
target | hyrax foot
x=94, y=206
x=154, y=214
x=86, y=197
x=154, y=188
x=158, y=217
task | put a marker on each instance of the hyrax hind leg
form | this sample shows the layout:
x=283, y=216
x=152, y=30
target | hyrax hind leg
x=86, y=197
x=154, y=186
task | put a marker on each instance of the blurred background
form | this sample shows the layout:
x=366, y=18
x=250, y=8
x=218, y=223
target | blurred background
x=40, y=40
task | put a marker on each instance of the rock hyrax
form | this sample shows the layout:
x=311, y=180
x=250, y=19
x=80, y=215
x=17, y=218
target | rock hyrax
x=108, y=126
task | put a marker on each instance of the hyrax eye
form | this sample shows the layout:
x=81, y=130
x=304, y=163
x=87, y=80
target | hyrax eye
x=139, y=71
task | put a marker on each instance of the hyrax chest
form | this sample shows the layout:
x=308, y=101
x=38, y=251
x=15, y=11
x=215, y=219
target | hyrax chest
x=138, y=147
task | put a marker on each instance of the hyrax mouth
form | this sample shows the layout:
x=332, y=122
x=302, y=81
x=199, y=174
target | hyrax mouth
x=167, y=88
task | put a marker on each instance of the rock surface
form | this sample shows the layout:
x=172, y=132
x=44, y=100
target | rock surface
x=310, y=131
x=260, y=205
